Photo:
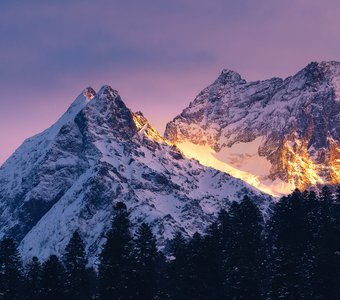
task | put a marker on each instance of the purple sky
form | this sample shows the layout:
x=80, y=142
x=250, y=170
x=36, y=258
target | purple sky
x=157, y=54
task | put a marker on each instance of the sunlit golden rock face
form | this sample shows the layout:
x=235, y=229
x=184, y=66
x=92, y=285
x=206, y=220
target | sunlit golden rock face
x=146, y=130
x=302, y=167
x=284, y=133
x=334, y=162
x=291, y=166
x=296, y=165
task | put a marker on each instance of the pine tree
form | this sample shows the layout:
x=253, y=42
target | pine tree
x=77, y=276
x=32, y=279
x=11, y=278
x=245, y=257
x=289, y=249
x=116, y=276
x=225, y=228
x=52, y=279
x=163, y=279
x=336, y=208
x=93, y=282
x=326, y=196
x=146, y=261
x=215, y=255
x=197, y=269
x=226, y=240
x=178, y=268
x=326, y=263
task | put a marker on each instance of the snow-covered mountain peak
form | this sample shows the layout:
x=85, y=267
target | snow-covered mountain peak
x=324, y=65
x=317, y=73
x=99, y=153
x=230, y=77
x=284, y=132
x=107, y=113
x=107, y=91
x=77, y=105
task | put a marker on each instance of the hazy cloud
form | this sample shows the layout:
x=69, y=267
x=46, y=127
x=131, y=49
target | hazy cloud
x=159, y=54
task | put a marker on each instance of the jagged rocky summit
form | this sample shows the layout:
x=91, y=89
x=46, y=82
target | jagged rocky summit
x=275, y=134
x=98, y=153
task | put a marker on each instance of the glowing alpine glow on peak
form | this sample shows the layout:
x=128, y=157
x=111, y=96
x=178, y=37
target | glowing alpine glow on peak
x=208, y=157
x=89, y=93
x=146, y=130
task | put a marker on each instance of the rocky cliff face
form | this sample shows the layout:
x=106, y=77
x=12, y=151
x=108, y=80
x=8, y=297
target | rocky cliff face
x=275, y=134
x=98, y=153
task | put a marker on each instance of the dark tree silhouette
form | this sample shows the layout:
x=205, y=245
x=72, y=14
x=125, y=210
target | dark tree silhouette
x=77, y=276
x=288, y=249
x=146, y=263
x=116, y=276
x=197, y=268
x=295, y=256
x=32, y=279
x=11, y=279
x=245, y=257
x=178, y=268
x=325, y=279
x=53, y=279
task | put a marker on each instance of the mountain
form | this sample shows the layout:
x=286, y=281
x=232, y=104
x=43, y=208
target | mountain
x=98, y=153
x=276, y=134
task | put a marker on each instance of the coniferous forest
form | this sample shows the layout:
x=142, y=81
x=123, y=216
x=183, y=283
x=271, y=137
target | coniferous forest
x=294, y=254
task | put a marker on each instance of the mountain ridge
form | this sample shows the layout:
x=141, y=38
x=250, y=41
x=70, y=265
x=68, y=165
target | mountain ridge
x=294, y=123
x=98, y=153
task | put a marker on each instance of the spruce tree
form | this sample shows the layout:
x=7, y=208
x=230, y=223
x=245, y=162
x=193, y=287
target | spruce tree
x=226, y=239
x=11, y=277
x=225, y=228
x=197, y=269
x=53, y=279
x=178, y=268
x=163, y=280
x=215, y=254
x=326, y=259
x=288, y=249
x=77, y=276
x=32, y=279
x=336, y=208
x=116, y=276
x=146, y=262
x=245, y=257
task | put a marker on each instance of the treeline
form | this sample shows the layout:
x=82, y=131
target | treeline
x=294, y=255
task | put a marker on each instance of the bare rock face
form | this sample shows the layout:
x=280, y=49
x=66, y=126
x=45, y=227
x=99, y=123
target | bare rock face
x=294, y=124
x=98, y=153
x=89, y=93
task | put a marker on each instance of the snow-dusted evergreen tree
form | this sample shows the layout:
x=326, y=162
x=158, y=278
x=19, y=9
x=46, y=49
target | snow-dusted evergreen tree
x=11, y=280
x=116, y=276
x=32, y=279
x=53, y=279
x=146, y=262
x=78, y=284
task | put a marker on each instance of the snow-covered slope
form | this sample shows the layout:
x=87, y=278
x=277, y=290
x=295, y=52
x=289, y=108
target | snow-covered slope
x=99, y=152
x=274, y=134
